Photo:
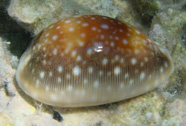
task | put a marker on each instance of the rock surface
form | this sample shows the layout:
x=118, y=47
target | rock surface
x=162, y=107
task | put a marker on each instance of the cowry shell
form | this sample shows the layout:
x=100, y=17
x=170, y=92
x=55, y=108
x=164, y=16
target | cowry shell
x=91, y=60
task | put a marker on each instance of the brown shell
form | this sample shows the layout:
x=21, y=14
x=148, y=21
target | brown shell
x=91, y=60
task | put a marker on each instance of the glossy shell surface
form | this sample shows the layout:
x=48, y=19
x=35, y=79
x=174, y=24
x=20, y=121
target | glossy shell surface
x=91, y=60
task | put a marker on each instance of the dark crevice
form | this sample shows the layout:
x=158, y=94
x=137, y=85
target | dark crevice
x=11, y=31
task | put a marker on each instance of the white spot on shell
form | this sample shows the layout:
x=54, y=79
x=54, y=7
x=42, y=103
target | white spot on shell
x=149, y=40
x=131, y=82
x=117, y=70
x=104, y=26
x=67, y=21
x=126, y=75
x=144, y=41
x=125, y=41
x=37, y=83
x=61, y=32
x=33, y=70
x=161, y=69
x=83, y=35
x=93, y=28
x=44, y=48
x=121, y=85
x=100, y=73
x=54, y=37
x=46, y=88
x=121, y=30
x=112, y=44
x=102, y=36
x=58, y=27
x=104, y=17
x=129, y=29
x=90, y=69
x=62, y=40
x=142, y=75
x=85, y=24
x=44, y=62
x=59, y=79
x=93, y=18
x=68, y=76
x=50, y=74
x=78, y=58
x=157, y=82
x=136, y=71
x=128, y=34
x=74, y=52
x=111, y=37
x=34, y=48
x=104, y=61
x=76, y=70
x=116, y=38
x=54, y=51
x=34, y=94
x=53, y=97
x=71, y=29
x=122, y=60
x=85, y=81
x=47, y=34
x=96, y=84
x=42, y=74
x=78, y=22
x=133, y=61
x=51, y=26
x=60, y=69
x=136, y=51
x=119, y=23
x=146, y=59
x=62, y=93
x=46, y=40
x=70, y=88
x=137, y=32
x=142, y=64
x=39, y=46
x=89, y=51
x=116, y=57
x=166, y=65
